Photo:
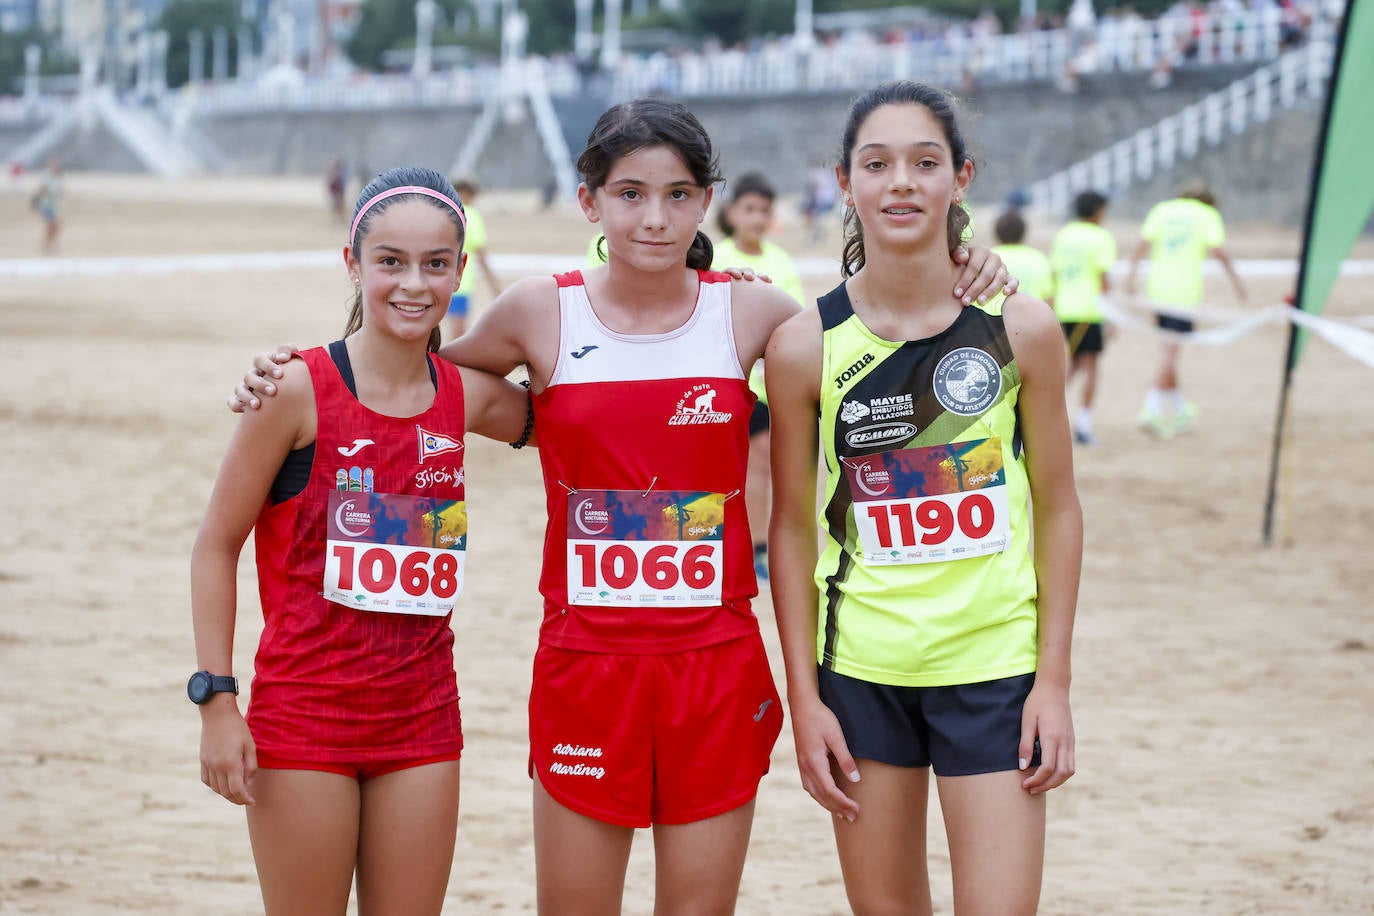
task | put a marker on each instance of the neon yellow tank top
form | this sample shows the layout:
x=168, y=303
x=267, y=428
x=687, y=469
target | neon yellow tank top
x=925, y=576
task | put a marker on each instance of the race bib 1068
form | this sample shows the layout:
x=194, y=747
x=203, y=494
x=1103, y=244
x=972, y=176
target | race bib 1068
x=395, y=554
x=661, y=549
x=931, y=504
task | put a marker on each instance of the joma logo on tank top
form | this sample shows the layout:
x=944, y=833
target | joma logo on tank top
x=853, y=370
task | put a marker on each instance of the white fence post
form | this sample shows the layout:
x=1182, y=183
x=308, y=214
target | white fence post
x=1144, y=154
x=1212, y=117
x=1264, y=94
x=1237, y=101
x=1121, y=171
x=1190, y=125
x=1168, y=142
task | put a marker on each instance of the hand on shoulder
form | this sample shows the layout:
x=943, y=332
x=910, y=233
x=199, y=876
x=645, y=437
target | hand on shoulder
x=289, y=415
x=293, y=386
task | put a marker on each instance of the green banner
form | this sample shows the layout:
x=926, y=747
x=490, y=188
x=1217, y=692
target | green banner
x=1343, y=181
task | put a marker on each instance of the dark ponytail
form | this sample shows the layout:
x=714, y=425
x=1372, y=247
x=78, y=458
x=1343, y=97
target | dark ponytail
x=701, y=253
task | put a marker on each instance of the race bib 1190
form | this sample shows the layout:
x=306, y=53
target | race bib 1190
x=395, y=554
x=661, y=549
x=931, y=504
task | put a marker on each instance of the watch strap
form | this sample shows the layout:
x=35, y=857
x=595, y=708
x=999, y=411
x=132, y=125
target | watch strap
x=223, y=683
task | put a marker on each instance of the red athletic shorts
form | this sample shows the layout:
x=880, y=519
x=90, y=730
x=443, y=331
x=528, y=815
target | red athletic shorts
x=666, y=739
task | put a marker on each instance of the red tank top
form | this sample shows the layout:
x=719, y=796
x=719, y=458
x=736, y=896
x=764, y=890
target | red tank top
x=644, y=441
x=332, y=681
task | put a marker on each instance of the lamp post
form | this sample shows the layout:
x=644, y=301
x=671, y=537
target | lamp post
x=195, y=71
x=425, y=13
x=515, y=27
x=286, y=38
x=33, y=56
x=245, y=53
x=219, y=54
x=583, y=38
x=160, y=42
x=610, y=41
x=803, y=25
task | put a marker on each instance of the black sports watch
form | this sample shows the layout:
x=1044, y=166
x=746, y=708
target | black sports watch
x=203, y=685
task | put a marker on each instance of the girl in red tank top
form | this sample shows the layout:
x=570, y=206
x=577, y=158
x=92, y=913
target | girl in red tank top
x=353, y=481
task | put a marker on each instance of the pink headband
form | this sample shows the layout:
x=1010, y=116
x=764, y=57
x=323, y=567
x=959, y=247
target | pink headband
x=409, y=189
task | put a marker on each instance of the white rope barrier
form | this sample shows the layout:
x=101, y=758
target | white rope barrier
x=1228, y=324
x=1345, y=335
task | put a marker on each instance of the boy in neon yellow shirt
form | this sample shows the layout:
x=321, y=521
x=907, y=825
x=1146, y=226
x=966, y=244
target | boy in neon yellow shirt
x=1179, y=234
x=1027, y=264
x=1082, y=254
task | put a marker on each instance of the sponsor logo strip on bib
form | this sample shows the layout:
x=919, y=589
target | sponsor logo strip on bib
x=660, y=549
x=931, y=504
x=395, y=554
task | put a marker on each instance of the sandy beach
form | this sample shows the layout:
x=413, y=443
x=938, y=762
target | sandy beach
x=1222, y=690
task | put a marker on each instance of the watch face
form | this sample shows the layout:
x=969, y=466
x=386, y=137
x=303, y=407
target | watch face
x=198, y=687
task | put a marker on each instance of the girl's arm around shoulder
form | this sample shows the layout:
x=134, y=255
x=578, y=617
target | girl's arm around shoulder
x=1038, y=344
x=519, y=323
x=496, y=407
x=758, y=308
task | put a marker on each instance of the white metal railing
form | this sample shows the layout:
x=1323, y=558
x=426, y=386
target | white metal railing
x=1248, y=101
x=951, y=59
x=954, y=58
x=459, y=86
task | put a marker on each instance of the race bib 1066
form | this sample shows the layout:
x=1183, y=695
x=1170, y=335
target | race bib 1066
x=661, y=549
x=931, y=504
x=395, y=554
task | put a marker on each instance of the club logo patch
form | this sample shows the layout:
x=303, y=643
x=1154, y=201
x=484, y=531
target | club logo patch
x=967, y=381
x=697, y=408
x=853, y=411
x=434, y=444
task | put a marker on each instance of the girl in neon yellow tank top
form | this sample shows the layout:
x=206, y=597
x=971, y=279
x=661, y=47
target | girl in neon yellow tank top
x=925, y=633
